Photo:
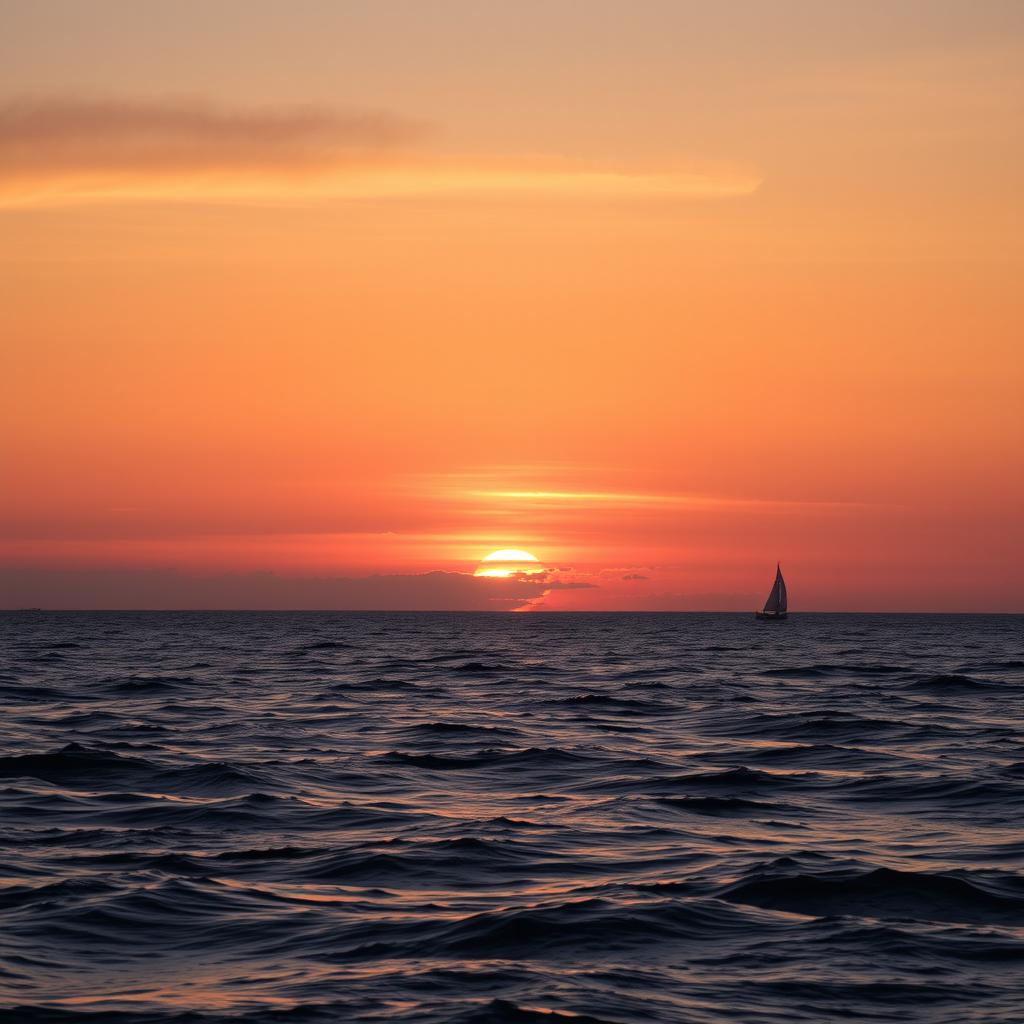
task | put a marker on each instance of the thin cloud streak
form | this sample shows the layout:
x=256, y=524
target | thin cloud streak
x=611, y=498
x=65, y=151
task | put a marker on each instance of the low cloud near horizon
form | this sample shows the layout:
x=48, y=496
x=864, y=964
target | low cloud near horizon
x=57, y=150
x=167, y=589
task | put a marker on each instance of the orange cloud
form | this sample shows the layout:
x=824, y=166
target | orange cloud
x=58, y=151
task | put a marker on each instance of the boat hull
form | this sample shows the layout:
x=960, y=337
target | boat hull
x=772, y=616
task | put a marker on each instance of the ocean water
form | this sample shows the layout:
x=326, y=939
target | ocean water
x=511, y=818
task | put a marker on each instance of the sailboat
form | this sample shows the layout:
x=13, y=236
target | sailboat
x=775, y=606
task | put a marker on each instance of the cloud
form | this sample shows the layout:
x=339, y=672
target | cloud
x=635, y=576
x=159, y=589
x=626, y=499
x=61, y=150
x=106, y=135
x=65, y=147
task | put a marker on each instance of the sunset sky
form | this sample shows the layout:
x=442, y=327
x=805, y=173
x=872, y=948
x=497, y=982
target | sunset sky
x=315, y=303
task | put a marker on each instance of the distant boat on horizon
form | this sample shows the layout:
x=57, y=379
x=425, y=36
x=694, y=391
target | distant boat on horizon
x=775, y=608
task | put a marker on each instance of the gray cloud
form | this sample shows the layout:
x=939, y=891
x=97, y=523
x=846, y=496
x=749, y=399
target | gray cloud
x=62, y=135
x=157, y=589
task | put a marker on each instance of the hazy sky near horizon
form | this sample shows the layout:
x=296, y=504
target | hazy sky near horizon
x=662, y=292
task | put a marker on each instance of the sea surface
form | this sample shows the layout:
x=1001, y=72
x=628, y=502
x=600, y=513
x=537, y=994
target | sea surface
x=310, y=817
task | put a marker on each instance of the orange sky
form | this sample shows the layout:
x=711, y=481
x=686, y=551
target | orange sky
x=300, y=295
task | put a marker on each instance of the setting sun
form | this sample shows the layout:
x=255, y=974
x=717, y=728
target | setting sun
x=507, y=562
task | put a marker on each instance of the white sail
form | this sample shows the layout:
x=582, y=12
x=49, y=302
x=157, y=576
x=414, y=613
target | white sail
x=776, y=602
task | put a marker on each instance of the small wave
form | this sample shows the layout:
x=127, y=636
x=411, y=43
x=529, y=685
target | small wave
x=953, y=684
x=739, y=780
x=501, y=1011
x=606, y=700
x=721, y=804
x=148, y=684
x=372, y=685
x=209, y=777
x=74, y=763
x=271, y=853
x=949, y=792
x=824, y=724
x=816, y=755
x=453, y=729
x=825, y=671
x=31, y=692
x=17, y=896
x=532, y=757
x=407, y=863
x=882, y=893
x=83, y=768
x=589, y=923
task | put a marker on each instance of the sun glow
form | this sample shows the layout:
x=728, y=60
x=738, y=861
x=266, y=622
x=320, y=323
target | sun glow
x=507, y=562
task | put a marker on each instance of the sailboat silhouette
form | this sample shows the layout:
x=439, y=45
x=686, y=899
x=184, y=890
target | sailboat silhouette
x=775, y=608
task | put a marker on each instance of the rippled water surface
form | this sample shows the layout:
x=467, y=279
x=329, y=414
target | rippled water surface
x=473, y=818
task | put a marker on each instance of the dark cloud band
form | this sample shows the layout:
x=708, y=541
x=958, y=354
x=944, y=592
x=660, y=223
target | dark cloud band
x=160, y=589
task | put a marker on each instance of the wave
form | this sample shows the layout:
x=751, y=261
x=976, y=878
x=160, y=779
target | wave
x=208, y=777
x=722, y=805
x=18, y=896
x=148, y=684
x=606, y=701
x=271, y=853
x=409, y=864
x=502, y=1011
x=532, y=757
x=951, y=792
x=882, y=893
x=739, y=780
x=75, y=763
x=587, y=924
x=31, y=692
x=816, y=756
x=954, y=683
x=378, y=684
x=828, y=671
x=824, y=724
x=432, y=730
x=83, y=768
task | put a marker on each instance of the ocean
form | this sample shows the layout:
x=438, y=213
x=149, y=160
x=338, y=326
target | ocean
x=327, y=817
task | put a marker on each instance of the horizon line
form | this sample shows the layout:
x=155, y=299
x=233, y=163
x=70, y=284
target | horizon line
x=479, y=611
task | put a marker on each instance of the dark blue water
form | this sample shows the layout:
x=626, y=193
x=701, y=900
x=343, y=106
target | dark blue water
x=472, y=818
